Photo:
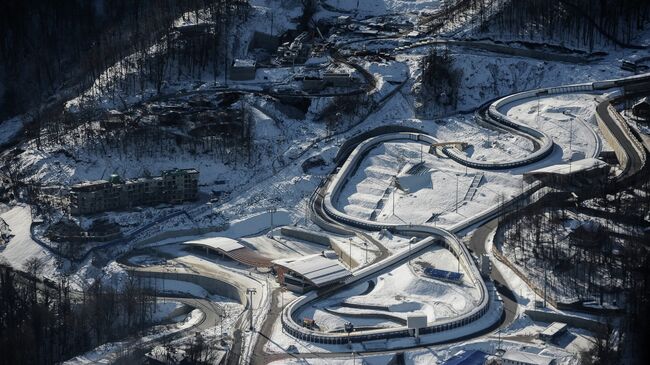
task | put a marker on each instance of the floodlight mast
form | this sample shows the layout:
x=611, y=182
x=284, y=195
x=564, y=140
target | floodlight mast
x=250, y=292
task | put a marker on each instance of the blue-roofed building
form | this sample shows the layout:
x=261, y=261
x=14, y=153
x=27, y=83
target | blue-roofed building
x=451, y=276
x=473, y=357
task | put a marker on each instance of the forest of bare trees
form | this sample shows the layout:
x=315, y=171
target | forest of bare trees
x=606, y=258
x=42, y=322
x=440, y=77
x=46, y=46
x=586, y=22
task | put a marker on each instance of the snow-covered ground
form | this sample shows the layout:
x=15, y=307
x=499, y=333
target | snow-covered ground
x=273, y=177
x=109, y=352
x=397, y=293
x=22, y=247
x=369, y=189
x=568, y=119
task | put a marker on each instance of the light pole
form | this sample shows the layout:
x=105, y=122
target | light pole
x=349, y=327
x=456, y=193
x=365, y=244
x=272, y=210
x=350, y=253
x=570, y=144
x=282, y=289
x=466, y=159
x=215, y=320
x=250, y=292
x=163, y=282
x=394, y=192
x=306, y=208
x=222, y=316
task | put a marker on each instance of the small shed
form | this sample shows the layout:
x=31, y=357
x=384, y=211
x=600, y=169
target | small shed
x=337, y=79
x=243, y=69
x=553, y=331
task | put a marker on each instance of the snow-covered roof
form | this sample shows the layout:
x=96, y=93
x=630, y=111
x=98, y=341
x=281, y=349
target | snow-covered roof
x=224, y=244
x=574, y=167
x=316, y=269
x=89, y=184
x=522, y=357
x=553, y=329
x=239, y=62
x=644, y=100
x=471, y=357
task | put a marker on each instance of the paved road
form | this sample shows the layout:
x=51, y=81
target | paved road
x=258, y=356
x=139, y=348
x=477, y=244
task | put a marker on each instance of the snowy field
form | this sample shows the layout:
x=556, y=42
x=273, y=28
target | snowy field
x=568, y=119
x=22, y=247
x=389, y=298
x=433, y=199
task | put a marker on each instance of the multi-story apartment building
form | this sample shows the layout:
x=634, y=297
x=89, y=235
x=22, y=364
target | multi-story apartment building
x=172, y=186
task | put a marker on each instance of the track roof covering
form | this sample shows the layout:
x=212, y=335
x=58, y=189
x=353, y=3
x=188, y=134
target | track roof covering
x=316, y=269
x=567, y=169
x=224, y=244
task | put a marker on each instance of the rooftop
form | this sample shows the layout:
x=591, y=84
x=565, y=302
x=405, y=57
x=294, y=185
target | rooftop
x=473, y=357
x=527, y=358
x=554, y=328
x=87, y=184
x=644, y=101
x=316, y=269
x=224, y=244
x=179, y=171
x=572, y=168
x=243, y=63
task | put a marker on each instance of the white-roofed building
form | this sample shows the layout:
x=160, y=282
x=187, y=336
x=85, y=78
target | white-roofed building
x=309, y=272
x=231, y=248
x=223, y=244
x=553, y=331
x=516, y=357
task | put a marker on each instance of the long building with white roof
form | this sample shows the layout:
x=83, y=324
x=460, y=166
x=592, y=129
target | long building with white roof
x=309, y=272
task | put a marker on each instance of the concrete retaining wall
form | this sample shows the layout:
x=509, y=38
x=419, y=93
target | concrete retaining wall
x=621, y=155
x=179, y=233
x=306, y=235
x=212, y=285
x=343, y=252
x=573, y=321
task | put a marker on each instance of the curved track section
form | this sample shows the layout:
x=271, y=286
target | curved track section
x=328, y=213
x=543, y=144
x=629, y=151
x=329, y=217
